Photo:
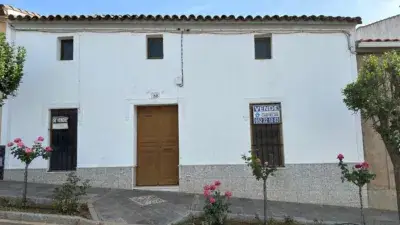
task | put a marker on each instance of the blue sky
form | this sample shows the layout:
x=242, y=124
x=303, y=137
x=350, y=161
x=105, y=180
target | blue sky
x=369, y=10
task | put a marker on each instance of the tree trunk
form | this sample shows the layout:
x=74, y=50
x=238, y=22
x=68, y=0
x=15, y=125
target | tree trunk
x=394, y=157
x=25, y=185
x=361, y=205
x=397, y=181
x=265, y=200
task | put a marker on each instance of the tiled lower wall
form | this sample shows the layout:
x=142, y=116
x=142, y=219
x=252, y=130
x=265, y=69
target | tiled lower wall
x=304, y=183
x=109, y=177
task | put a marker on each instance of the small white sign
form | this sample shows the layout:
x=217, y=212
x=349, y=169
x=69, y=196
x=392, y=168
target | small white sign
x=60, y=122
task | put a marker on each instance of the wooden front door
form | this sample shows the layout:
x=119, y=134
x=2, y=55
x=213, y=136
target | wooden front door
x=63, y=139
x=157, y=145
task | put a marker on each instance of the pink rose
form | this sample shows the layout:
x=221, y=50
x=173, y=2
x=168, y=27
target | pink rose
x=365, y=165
x=217, y=183
x=228, y=194
x=340, y=157
x=40, y=138
x=212, y=200
x=17, y=140
x=358, y=166
x=10, y=144
x=207, y=187
x=20, y=144
x=48, y=149
x=213, y=187
x=28, y=150
x=206, y=193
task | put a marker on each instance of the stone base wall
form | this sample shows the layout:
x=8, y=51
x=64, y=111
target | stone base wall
x=303, y=183
x=107, y=177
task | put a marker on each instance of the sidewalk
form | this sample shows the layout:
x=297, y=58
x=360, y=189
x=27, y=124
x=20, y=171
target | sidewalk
x=156, y=207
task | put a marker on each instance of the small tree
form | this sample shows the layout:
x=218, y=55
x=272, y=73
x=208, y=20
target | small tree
x=376, y=94
x=360, y=176
x=11, y=68
x=261, y=171
x=26, y=155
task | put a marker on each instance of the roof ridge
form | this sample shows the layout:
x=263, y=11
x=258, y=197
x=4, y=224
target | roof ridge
x=147, y=17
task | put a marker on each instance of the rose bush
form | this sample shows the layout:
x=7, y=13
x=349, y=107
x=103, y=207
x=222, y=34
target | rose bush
x=216, y=206
x=360, y=175
x=27, y=154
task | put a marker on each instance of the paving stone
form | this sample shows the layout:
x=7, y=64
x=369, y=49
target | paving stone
x=147, y=200
x=161, y=208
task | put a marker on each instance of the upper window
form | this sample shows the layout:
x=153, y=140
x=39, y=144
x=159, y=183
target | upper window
x=262, y=47
x=155, y=47
x=67, y=49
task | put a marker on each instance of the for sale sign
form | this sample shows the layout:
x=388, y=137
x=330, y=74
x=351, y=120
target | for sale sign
x=267, y=114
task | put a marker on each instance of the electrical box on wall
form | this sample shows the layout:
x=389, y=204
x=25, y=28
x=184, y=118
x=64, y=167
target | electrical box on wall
x=179, y=81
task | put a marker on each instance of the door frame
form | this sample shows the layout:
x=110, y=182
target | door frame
x=49, y=121
x=134, y=104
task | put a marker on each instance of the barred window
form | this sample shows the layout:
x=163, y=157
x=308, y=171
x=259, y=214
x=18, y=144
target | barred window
x=266, y=132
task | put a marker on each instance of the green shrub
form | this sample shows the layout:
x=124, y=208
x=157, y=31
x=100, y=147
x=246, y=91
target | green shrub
x=67, y=198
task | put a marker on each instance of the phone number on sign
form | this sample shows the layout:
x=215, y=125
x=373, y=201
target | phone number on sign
x=268, y=120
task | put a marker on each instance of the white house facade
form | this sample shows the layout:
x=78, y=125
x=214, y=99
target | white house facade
x=131, y=101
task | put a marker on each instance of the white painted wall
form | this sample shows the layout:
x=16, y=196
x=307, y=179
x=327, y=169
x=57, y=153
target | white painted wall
x=110, y=75
x=387, y=28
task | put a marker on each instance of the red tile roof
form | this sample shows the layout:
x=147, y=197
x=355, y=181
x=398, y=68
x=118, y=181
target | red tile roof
x=8, y=7
x=339, y=19
x=379, y=40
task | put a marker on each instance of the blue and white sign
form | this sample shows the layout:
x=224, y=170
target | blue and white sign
x=267, y=114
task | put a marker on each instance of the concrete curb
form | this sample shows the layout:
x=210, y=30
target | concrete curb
x=35, y=218
x=48, y=201
x=92, y=210
x=247, y=217
x=32, y=218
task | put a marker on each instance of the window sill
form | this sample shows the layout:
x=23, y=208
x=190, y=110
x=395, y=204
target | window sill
x=60, y=171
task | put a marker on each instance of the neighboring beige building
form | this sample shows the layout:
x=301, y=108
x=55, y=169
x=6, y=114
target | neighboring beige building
x=376, y=38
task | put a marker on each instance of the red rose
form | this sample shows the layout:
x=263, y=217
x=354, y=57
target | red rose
x=212, y=200
x=358, y=166
x=217, y=183
x=228, y=194
x=207, y=187
x=40, y=138
x=213, y=187
x=48, y=149
x=10, y=144
x=17, y=140
x=206, y=193
x=20, y=144
x=28, y=150
x=340, y=157
x=365, y=165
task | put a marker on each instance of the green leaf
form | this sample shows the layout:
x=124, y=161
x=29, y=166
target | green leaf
x=11, y=68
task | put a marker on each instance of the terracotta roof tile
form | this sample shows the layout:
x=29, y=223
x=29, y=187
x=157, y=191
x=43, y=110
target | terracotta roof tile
x=340, y=19
x=380, y=40
x=19, y=10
